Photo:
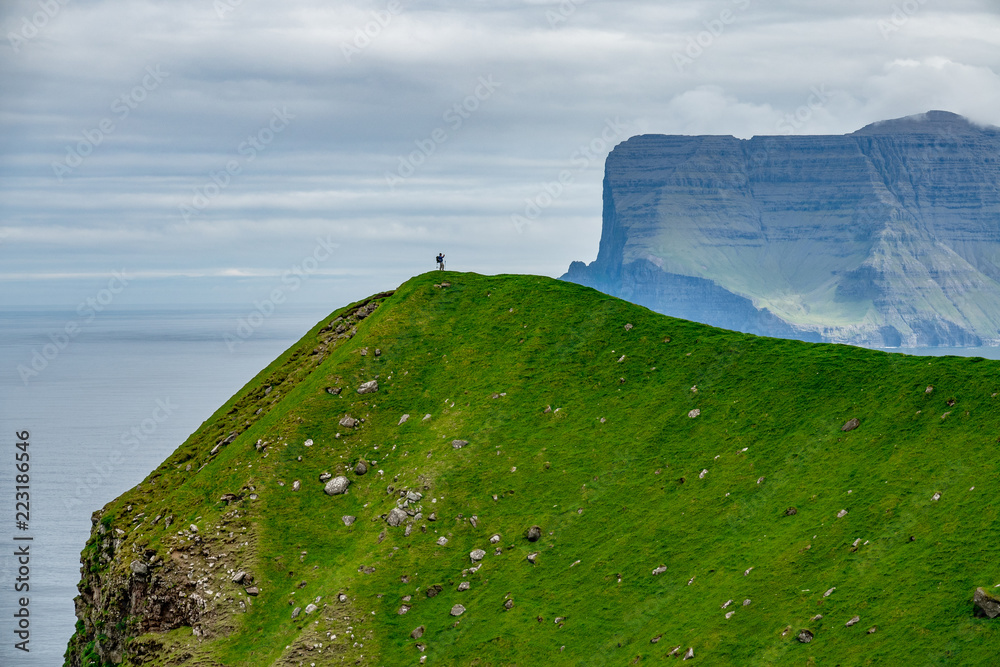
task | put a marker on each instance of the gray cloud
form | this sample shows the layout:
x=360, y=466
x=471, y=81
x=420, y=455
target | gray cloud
x=366, y=85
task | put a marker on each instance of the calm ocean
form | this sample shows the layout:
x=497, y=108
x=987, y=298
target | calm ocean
x=120, y=372
x=109, y=379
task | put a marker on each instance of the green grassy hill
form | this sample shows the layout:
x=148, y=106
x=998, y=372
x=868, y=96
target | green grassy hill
x=577, y=409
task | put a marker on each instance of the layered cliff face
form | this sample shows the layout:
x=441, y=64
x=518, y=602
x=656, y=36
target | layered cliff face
x=889, y=236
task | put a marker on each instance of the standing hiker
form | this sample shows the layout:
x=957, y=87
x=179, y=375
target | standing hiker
x=440, y=261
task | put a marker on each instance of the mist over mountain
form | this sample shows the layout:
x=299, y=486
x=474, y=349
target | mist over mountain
x=889, y=236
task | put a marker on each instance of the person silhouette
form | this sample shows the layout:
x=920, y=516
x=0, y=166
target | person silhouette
x=440, y=261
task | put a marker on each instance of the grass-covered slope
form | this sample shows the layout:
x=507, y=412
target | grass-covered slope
x=581, y=425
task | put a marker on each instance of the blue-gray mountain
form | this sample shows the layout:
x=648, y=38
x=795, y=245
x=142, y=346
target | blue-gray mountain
x=889, y=236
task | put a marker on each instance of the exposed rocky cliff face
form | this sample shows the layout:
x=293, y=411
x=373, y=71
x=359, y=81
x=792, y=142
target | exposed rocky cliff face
x=889, y=236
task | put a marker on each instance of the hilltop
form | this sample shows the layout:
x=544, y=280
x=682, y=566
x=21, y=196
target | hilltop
x=886, y=237
x=543, y=474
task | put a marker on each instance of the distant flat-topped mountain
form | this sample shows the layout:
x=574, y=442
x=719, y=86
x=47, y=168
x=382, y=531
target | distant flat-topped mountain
x=889, y=236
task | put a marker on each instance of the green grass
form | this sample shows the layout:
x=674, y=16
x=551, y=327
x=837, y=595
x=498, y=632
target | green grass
x=544, y=343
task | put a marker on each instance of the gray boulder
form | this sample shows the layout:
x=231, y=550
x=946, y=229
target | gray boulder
x=348, y=519
x=337, y=486
x=138, y=568
x=458, y=444
x=361, y=468
x=477, y=555
x=986, y=605
x=534, y=533
x=805, y=637
x=368, y=387
x=851, y=425
x=349, y=422
x=396, y=517
x=418, y=633
x=457, y=610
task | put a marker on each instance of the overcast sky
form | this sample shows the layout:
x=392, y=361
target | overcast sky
x=204, y=146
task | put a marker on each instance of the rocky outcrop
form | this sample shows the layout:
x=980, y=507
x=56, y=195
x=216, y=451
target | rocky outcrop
x=986, y=605
x=885, y=237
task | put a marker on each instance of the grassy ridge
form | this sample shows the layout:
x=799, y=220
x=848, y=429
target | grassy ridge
x=601, y=474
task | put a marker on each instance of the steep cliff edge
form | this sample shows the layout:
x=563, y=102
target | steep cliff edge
x=889, y=236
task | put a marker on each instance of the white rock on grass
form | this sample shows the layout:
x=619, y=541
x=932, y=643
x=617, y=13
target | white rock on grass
x=337, y=486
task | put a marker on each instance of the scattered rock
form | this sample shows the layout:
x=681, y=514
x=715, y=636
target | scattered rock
x=841, y=514
x=325, y=476
x=464, y=586
x=851, y=425
x=378, y=352
x=396, y=517
x=474, y=520
x=433, y=517
x=494, y=539
x=408, y=530
x=441, y=541
x=434, y=590
x=534, y=533
x=729, y=614
x=660, y=570
x=310, y=608
x=829, y=592
x=872, y=630
x=748, y=571
x=853, y=621
x=337, y=486
x=746, y=603
x=477, y=555
x=334, y=391
x=986, y=604
x=805, y=637
x=368, y=387
x=138, y=568
x=622, y=359
x=361, y=468
x=694, y=413
x=547, y=410
x=348, y=520
x=458, y=444
x=403, y=609
x=239, y=577
x=253, y=590
x=791, y=511
x=508, y=605
x=296, y=485
x=349, y=422
x=689, y=654
x=558, y=619
x=936, y=497
x=728, y=602
x=628, y=327
x=655, y=639
x=342, y=598
x=417, y=633
x=457, y=610
x=403, y=420
x=532, y=557
x=381, y=536
x=929, y=389
x=702, y=474
x=296, y=612
x=308, y=443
